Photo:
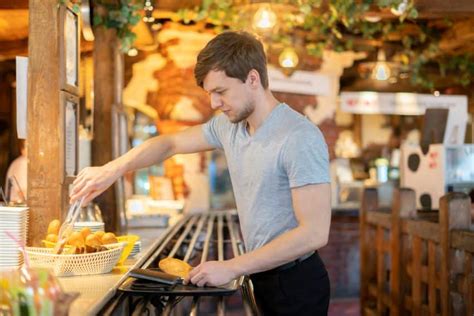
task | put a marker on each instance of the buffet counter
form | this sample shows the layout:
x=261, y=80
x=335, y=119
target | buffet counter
x=96, y=290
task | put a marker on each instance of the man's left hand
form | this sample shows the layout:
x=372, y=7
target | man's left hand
x=211, y=273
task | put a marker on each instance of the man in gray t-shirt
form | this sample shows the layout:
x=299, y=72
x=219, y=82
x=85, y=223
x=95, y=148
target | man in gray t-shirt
x=278, y=163
x=287, y=151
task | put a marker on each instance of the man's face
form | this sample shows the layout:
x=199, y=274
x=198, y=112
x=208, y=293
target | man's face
x=230, y=95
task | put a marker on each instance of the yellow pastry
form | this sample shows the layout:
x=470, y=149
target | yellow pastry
x=175, y=267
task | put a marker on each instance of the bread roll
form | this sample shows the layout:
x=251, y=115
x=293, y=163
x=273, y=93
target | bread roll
x=52, y=238
x=93, y=241
x=175, y=267
x=76, y=240
x=53, y=227
x=109, y=238
x=86, y=231
x=99, y=234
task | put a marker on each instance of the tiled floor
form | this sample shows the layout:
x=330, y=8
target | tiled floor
x=344, y=307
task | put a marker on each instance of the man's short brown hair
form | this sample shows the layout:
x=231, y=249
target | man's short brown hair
x=235, y=53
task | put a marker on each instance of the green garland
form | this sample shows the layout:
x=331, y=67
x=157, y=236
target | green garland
x=334, y=25
x=120, y=15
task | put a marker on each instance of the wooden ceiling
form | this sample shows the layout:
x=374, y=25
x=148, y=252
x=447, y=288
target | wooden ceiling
x=14, y=22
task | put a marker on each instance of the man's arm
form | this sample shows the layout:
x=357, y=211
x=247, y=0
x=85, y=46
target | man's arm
x=312, y=206
x=93, y=181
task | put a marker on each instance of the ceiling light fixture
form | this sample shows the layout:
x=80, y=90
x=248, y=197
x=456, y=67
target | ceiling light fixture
x=288, y=58
x=400, y=9
x=372, y=17
x=148, y=8
x=132, y=52
x=264, y=19
x=381, y=70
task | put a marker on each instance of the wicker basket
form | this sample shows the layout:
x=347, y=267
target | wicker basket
x=71, y=265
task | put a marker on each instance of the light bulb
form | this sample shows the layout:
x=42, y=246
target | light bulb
x=288, y=58
x=132, y=52
x=381, y=71
x=402, y=7
x=264, y=18
x=372, y=18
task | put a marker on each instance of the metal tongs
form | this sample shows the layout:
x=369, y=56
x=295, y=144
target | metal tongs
x=68, y=226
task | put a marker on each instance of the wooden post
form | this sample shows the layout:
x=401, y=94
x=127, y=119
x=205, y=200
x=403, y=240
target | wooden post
x=454, y=213
x=403, y=206
x=416, y=274
x=379, y=240
x=47, y=195
x=369, y=203
x=106, y=94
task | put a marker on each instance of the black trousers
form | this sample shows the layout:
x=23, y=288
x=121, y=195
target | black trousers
x=302, y=289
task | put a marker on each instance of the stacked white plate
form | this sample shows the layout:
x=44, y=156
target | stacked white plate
x=15, y=221
x=136, y=249
x=93, y=226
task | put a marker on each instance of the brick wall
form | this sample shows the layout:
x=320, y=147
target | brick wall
x=341, y=254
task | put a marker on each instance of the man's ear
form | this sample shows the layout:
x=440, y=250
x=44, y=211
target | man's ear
x=253, y=78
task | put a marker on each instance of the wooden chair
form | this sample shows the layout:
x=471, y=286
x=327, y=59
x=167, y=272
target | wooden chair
x=380, y=251
x=458, y=247
x=412, y=264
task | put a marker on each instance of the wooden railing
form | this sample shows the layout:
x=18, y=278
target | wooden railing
x=415, y=263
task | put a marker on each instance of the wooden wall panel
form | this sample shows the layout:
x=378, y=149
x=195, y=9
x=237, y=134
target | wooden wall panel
x=104, y=78
x=46, y=193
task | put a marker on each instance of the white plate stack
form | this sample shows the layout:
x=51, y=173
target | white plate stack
x=15, y=221
x=93, y=226
x=137, y=247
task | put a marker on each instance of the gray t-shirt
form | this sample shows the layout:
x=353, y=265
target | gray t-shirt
x=286, y=151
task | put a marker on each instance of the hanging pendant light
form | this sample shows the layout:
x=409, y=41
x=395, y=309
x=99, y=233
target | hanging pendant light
x=400, y=9
x=264, y=19
x=288, y=58
x=381, y=70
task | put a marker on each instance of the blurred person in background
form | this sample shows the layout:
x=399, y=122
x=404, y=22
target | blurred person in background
x=16, y=179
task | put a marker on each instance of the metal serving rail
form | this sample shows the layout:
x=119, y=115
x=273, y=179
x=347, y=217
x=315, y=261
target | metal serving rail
x=195, y=239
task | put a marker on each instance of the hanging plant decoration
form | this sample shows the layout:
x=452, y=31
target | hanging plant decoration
x=76, y=5
x=119, y=15
x=337, y=24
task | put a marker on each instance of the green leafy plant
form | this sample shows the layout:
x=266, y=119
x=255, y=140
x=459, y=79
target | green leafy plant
x=338, y=24
x=75, y=5
x=120, y=15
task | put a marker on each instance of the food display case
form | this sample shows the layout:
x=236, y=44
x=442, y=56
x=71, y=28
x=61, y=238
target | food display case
x=442, y=169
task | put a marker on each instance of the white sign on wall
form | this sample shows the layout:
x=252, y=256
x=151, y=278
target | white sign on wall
x=300, y=82
x=21, y=96
x=411, y=104
x=366, y=102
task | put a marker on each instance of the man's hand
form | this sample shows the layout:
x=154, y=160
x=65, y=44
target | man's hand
x=92, y=181
x=212, y=273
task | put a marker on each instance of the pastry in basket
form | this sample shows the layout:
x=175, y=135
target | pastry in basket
x=53, y=227
x=93, y=243
x=77, y=240
x=52, y=238
x=175, y=267
x=86, y=231
x=109, y=238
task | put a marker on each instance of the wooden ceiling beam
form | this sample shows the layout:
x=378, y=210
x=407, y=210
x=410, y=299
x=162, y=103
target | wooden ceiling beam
x=10, y=49
x=445, y=8
x=13, y=4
